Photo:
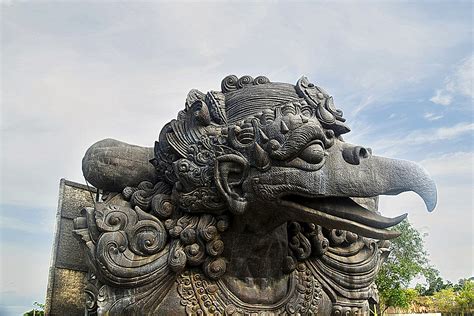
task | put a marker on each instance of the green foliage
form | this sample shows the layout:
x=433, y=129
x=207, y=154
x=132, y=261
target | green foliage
x=457, y=299
x=465, y=297
x=434, y=283
x=445, y=300
x=402, y=298
x=34, y=313
x=407, y=260
x=37, y=311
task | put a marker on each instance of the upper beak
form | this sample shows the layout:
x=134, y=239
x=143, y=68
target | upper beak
x=344, y=176
x=374, y=175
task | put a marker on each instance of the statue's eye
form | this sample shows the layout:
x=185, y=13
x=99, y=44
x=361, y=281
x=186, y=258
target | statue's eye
x=313, y=154
x=306, y=112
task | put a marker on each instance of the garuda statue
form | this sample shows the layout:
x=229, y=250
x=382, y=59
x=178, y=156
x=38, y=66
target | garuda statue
x=250, y=203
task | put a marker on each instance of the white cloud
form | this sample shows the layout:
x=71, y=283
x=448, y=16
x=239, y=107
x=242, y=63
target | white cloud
x=367, y=101
x=457, y=165
x=432, y=116
x=458, y=83
x=442, y=97
x=397, y=143
x=444, y=133
x=461, y=82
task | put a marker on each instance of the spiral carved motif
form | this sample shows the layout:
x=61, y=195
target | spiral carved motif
x=229, y=83
x=147, y=237
x=146, y=186
x=91, y=292
x=244, y=81
x=195, y=239
x=206, y=227
x=162, y=206
x=337, y=236
x=128, y=192
x=261, y=80
x=143, y=195
x=177, y=257
x=140, y=199
x=215, y=247
x=232, y=82
x=214, y=268
x=111, y=218
x=195, y=254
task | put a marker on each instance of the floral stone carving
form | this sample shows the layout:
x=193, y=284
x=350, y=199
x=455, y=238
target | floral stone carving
x=250, y=203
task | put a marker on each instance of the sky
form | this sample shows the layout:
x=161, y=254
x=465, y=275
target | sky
x=73, y=73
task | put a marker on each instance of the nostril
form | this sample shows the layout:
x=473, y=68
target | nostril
x=353, y=155
x=362, y=152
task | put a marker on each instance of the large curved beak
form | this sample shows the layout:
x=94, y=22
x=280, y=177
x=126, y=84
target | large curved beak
x=327, y=197
x=375, y=176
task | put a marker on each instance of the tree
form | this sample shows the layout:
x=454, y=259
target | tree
x=407, y=260
x=37, y=311
x=445, y=300
x=465, y=297
x=434, y=282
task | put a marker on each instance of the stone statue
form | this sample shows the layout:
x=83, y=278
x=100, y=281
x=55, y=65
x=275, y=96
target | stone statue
x=250, y=203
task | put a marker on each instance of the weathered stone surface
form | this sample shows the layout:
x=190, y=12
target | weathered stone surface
x=254, y=204
x=75, y=197
x=66, y=284
x=112, y=165
x=68, y=289
x=69, y=251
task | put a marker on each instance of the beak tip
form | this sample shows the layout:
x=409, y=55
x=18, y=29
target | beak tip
x=431, y=206
x=432, y=201
x=430, y=195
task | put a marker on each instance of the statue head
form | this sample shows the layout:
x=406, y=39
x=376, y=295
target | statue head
x=256, y=160
x=271, y=153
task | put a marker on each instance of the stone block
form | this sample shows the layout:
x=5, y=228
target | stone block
x=65, y=293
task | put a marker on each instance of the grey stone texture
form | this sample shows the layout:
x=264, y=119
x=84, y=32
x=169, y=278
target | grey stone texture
x=250, y=203
x=68, y=270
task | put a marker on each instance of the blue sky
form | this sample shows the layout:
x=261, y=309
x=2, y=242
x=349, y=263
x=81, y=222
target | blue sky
x=76, y=72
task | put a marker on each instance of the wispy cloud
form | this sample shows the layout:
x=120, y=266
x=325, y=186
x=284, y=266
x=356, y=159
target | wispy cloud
x=444, y=133
x=432, y=116
x=394, y=144
x=442, y=97
x=367, y=101
x=458, y=83
x=457, y=164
